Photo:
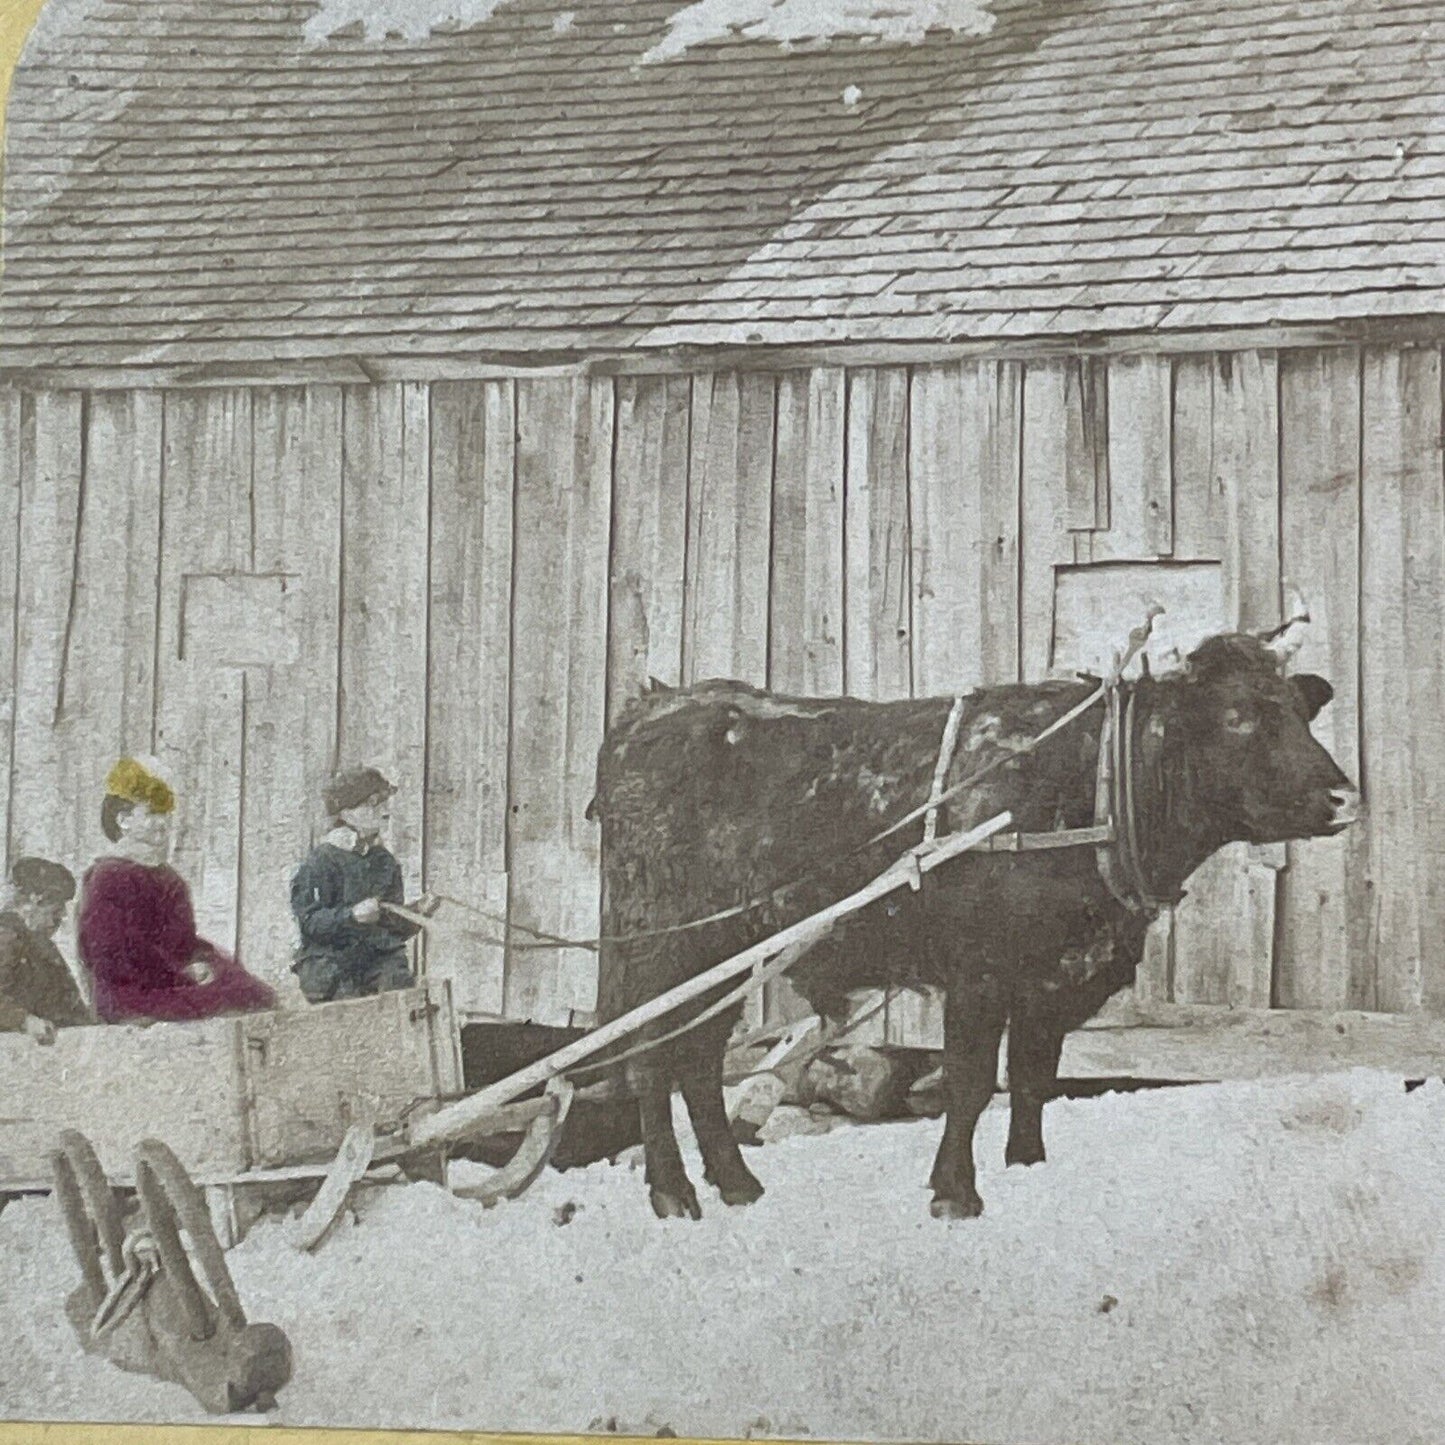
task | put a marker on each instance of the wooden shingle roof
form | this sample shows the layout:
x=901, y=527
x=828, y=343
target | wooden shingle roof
x=188, y=181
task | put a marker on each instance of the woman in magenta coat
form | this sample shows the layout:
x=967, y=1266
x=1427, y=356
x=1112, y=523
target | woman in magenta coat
x=136, y=930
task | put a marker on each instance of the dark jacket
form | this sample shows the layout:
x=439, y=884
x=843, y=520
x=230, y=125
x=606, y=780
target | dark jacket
x=35, y=980
x=324, y=890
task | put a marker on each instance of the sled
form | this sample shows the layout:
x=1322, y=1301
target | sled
x=351, y=1164
x=254, y=1106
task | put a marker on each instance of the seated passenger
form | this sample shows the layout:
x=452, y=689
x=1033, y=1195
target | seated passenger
x=137, y=931
x=351, y=944
x=38, y=993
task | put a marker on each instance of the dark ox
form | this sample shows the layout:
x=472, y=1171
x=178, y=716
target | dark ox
x=712, y=796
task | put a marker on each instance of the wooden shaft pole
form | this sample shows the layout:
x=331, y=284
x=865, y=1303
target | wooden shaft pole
x=457, y=1120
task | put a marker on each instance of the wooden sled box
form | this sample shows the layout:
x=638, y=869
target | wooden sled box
x=231, y=1096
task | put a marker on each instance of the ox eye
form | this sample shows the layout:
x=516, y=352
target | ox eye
x=1236, y=721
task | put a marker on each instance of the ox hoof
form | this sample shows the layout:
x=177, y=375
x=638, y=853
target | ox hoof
x=956, y=1208
x=741, y=1191
x=1024, y=1154
x=676, y=1206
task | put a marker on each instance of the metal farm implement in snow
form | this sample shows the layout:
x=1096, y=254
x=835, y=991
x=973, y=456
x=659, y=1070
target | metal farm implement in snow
x=140, y=1303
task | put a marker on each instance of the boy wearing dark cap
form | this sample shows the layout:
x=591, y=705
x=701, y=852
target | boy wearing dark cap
x=38, y=993
x=351, y=945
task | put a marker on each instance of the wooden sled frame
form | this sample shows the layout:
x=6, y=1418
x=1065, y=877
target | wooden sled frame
x=254, y=1105
x=533, y=1154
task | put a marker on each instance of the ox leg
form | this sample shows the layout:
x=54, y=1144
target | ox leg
x=722, y=1159
x=673, y=1196
x=1034, y=1046
x=973, y=1021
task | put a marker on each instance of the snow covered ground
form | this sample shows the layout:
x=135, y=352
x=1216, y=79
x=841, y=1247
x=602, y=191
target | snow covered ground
x=1224, y=1263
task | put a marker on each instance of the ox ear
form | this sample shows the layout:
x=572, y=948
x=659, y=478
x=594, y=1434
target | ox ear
x=1313, y=691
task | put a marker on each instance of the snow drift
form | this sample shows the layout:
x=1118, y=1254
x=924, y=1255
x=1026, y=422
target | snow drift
x=1212, y=1264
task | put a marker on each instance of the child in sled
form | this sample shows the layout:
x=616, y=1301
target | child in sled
x=351, y=944
x=136, y=927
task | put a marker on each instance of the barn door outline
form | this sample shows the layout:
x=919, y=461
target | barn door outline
x=1189, y=474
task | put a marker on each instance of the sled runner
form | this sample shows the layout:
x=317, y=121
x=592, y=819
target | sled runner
x=351, y=1164
x=534, y=1153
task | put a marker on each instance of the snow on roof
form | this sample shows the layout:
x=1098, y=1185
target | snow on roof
x=788, y=22
x=197, y=180
x=798, y=22
x=391, y=19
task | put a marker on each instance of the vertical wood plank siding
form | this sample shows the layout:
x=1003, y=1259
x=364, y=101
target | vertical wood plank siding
x=1224, y=929
x=42, y=585
x=291, y=717
x=1086, y=445
x=729, y=527
x=101, y=621
x=806, y=606
x=461, y=582
x=384, y=594
x=944, y=526
x=1140, y=524
x=16, y=449
x=649, y=535
x=732, y=456
x=1322, y=958
x=206, y=522
x=559, y=664
x=1400, y=671
x=878, y=577
x=1047, y=540
x=805, y=618
x=469, y=662
x=51, y=496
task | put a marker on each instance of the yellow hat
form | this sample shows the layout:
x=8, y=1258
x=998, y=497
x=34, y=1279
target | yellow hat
x=136, y=783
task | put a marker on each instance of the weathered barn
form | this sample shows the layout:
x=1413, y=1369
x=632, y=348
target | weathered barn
x=412, y=398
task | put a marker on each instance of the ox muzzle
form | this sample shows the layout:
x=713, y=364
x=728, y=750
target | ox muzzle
x=1348, y=808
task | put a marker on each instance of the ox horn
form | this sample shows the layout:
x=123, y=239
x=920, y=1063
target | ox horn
x=1287, y=639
